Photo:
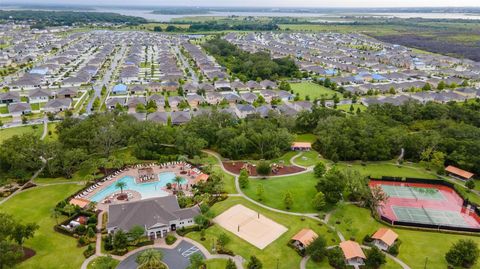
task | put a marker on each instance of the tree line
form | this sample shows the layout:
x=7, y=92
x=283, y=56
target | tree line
x=250, y=66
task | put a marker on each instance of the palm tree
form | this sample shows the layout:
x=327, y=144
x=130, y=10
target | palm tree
x=150, y=259
x=178, y=180
x=55, y=213
x=121, y=185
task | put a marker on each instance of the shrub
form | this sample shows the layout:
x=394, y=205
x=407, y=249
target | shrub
x=367, y=239
x=89, y=251
x=170, y=239
x=81, y=229
x=463, y=253
x=82, y=241
x=335, y=258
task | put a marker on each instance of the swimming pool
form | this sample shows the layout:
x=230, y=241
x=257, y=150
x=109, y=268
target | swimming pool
x=147, y=190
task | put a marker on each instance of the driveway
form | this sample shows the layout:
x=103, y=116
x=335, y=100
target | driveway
x=177, y=258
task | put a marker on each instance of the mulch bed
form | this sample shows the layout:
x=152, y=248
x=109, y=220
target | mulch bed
x=235, y=167
x=28, y=253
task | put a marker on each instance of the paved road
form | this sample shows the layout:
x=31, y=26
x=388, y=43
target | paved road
x=106, y=79
x=186, y=65
x=177, y=258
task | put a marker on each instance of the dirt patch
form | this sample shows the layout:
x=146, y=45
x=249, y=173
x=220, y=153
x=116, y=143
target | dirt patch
x=28, y=253
x=235, y=167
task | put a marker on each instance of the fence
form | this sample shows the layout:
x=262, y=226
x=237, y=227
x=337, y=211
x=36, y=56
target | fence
x=466, y=203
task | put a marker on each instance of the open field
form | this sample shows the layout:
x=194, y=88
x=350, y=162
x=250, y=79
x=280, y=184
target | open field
x=302, y=188
x=278, y=250
x=346, y=108
x=54, y=250
x=313, y=90
x=306, y=138
x=216, y=264
x=307, y=158
x=378, y=169
x=9, y=132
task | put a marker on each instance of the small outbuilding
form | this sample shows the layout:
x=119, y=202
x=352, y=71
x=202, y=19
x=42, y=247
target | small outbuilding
x=353, y=253
x=301, y=146
x=458, y=173
x=384, y=238
x=303, y=239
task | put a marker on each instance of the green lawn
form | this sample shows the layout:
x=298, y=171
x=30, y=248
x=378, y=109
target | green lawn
x=307, y=158
x=3, y=110
x=285, y=158
x=53, y=249
x=301, y=186
x=9, y=132
x=346, y=108
x=216, y=264
x=52, y=134
x=378, y=169
x=312, y=90
x=416, y=245
x=287, y=257
x=306, y=138
x=92, y=263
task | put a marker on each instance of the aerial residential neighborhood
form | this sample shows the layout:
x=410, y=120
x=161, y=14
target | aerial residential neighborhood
x=194, y=136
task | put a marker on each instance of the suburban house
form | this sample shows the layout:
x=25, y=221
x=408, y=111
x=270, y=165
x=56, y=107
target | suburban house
x=57, y=105
x=352, y=252
x=38, y=96
x=19, y=109
x=303, y=238
x=458, y=173
x=67, y=93
x=9, y=97
x=157, y=215
x=194, y=100
x=158, y=117
x=113, y=102
x=248, y=97
x=384, y=238
x=180, y=117
x=301, y=146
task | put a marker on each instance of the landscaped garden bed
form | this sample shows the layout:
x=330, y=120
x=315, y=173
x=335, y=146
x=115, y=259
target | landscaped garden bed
x=236, y=167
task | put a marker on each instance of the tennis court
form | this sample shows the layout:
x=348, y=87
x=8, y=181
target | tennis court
x=411, y=192
x=429, y=216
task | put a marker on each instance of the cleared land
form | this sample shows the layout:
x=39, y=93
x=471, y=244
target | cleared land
x=312, y=90
x=54, y=250
x=249, y=225
x=378, y=169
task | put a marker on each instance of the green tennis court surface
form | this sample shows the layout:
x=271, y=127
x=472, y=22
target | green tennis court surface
x=412, y=192
x=429, y=216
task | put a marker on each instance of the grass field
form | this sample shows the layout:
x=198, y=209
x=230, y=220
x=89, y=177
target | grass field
x=285, y=158
x=416, y=245
x=54, y=250
x=346, y=108
x=307, y=158
x=378, y=169
x=302, y=188
x=306, y=138
x=312, y=90
x=216, y=264
x=278, y=250
x=9, y=132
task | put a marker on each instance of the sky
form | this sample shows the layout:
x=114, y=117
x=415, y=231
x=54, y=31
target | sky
x=270, y=3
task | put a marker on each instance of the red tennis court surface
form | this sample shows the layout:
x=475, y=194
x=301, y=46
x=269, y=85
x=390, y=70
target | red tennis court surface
x=425, y=204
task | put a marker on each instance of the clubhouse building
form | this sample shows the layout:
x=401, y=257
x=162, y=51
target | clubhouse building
x=157, y=215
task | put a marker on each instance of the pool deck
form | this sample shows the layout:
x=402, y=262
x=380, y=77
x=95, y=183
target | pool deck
x=181, y=169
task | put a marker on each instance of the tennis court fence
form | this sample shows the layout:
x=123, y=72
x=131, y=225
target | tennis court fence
x=466, y=203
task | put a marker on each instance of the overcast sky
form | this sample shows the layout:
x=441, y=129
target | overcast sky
x=269, y=3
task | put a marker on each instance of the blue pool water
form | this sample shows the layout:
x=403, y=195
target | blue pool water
x=147, y=190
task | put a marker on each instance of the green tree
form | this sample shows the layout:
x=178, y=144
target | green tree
x=260, y=192
x=336, y=258
x=332, y=184
x=223, y=239
x=288, y=200
x=263, y=168
x=135, y=233
x=319, y=169
x=318, y=201
x=317, y=249
x=243, y=179
x=463, y=253
x=196, y=261
x=375, y=258
x=470, y=184
x=22, y=232
x=120, y=185
x=230, y=264
x=150, y=259
x=120, y=240
x=254, y=263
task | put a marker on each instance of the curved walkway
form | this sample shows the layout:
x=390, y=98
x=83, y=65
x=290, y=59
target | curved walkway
x=309, y=215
